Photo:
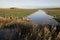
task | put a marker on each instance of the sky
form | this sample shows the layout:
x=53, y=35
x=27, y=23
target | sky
x=30, y=3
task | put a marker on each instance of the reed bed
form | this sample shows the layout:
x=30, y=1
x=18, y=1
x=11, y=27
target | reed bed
x=23, y=29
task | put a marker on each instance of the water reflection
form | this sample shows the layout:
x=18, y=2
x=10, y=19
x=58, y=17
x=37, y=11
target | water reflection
x=40, y=17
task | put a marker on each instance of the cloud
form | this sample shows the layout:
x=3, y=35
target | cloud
x=30, y=3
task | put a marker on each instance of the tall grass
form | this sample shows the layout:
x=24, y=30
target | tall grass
x=16, y=29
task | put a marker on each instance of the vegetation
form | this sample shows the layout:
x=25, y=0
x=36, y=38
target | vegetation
x=20, y=28
x=53, y=12
x=15, y=12
x=16, y=29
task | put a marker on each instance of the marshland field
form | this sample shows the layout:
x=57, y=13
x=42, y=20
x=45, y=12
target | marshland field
x=24, y=12
x=16, y=12
x=23, y=24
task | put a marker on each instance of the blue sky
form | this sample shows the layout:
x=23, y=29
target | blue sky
x=29, y=3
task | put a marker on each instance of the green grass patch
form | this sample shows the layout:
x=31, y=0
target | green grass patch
x=16, y=12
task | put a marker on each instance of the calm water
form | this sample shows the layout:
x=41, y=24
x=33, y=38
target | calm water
x=40, y=17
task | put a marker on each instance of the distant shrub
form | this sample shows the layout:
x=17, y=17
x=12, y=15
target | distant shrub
x=12, y=8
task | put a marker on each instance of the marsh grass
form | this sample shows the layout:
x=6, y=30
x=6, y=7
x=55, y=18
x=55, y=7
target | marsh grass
x=16, y=12
x=53, y=12
x=16, y=29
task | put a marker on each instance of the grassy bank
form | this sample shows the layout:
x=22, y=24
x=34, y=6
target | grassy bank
x=16, y=12
x=53, y=11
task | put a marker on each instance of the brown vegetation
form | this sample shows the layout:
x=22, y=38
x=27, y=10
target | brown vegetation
x=19, y=29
